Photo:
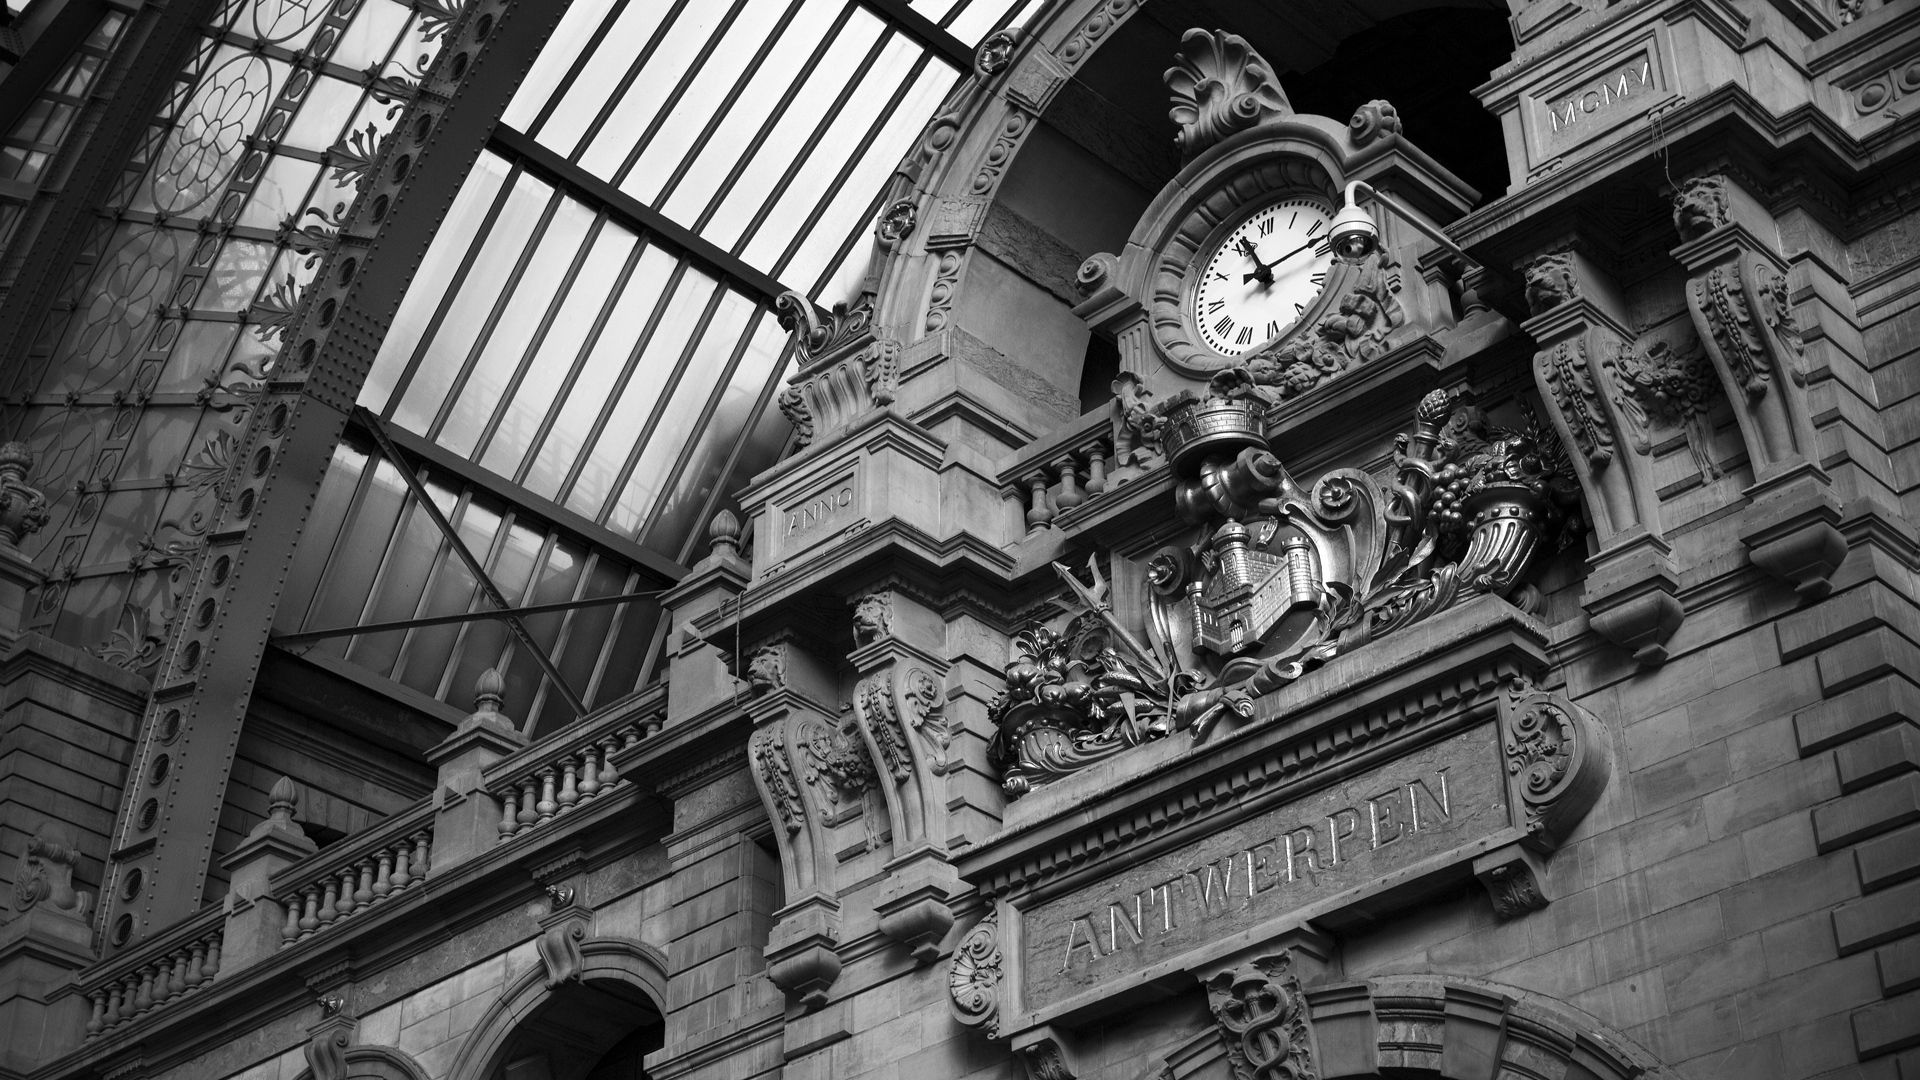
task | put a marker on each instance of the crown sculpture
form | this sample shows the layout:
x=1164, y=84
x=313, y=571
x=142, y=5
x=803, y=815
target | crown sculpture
x=1279, y=578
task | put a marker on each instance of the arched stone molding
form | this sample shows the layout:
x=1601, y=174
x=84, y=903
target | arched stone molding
x=1454, y=1026
x=621, y=960
x=376, y=1063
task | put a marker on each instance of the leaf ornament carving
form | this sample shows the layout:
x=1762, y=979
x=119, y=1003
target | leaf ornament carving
x=1577, y=396
x=1719, y=296
x=776, y=776
x=837, y=756
x=973, y=977
x=1220, y=86
x=1662, y=386
x=927, y=712
x=874, y=698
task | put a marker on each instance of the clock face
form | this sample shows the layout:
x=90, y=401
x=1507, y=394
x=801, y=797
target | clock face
x=1258, y=280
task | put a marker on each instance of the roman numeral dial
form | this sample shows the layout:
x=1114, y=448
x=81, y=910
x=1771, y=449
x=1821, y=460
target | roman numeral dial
x=1256, y=280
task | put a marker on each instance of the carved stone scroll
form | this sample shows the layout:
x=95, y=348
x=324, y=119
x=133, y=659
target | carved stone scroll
x=975, y=974
x=1220, y=86
x=562, y=930
x=848, y=365
x=1558, y=760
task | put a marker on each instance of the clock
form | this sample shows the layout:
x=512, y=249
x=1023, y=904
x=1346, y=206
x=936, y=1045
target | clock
x=1261, y=275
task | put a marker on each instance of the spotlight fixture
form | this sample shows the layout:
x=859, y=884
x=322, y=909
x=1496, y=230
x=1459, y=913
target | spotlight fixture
x=1355, y=235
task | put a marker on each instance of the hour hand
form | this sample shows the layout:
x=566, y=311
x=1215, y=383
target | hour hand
x=1261, y=272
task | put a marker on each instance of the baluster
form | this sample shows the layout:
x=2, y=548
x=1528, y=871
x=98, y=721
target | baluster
x=97, y=1023
x=402, y=877
x=120, y=1007
x=569, y=791
x=292, y=929
x=383, y=877
x=1096, y=469
x=529, y=786
x=143, y=996
x=310, y=911
x=195, y=958
x=214, y=941
x=330, y=907
x=652, y=727
x=347, y=905
x=509, y=805
x=1070, y=494
x=546, y=806
x=609, y=773
x=422, y=848
x=177, y=976
x=363, y=895
x=1040, y=514
x=589, y=771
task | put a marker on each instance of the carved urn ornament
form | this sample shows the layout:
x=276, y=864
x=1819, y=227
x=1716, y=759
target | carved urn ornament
x=1278, y=577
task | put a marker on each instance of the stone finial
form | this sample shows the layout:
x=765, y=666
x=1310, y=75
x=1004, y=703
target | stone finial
x=723, y=535
x=23, y=510
x=1373, y=120
x=489, y=691
x=282, y=800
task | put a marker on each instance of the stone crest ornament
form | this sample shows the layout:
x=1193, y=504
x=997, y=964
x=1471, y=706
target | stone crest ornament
x=1277, y=579
x=1556, y=758
x=1262, y=1015
x=1660, y=385
x=1220, y=86
x=1374, y=120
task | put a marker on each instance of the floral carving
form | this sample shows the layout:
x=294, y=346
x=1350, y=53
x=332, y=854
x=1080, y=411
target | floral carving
x=1660, y=386
x=1373, y=120
x=838, y=756
x=1700, y=206
x=1550, y=282
x=927, y=714
x=1721, y=298
x=1220, y=86
x=896, y=223
x=1555, y=767
x=996, y=51
x=973, y=979
x=1356, y=333
x=1577, y=395
x=276, y=311
x=1513, y=889
x=846, y=366
x=1262, y=1014
x=874, y=698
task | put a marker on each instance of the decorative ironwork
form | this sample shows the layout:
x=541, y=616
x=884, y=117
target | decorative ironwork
x=206, y=143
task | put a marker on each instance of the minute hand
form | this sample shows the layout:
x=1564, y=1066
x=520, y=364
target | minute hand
x=1264, y=270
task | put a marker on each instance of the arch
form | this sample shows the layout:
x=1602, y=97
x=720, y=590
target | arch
x=618, y=960
x=1461, y=1026
x=377, y=1063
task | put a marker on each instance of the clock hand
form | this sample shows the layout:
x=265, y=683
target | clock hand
x=1262, y=272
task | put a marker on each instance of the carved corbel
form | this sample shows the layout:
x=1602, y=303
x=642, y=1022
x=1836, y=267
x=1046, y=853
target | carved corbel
x=329, y=1040
x=1514, y=879
x=1631, y=585
x=900, y=707
x=568, y=921
x=1742, y=308
x=803, y=764
x=1048, y=1053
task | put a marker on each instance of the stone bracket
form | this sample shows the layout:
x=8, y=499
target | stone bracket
x=1631, y=597
x=1791, y=531
x=914, y=902
x=1514, y=879
x=801, y=950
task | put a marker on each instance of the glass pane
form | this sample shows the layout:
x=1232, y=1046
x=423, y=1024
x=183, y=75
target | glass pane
x=282, y=190
x=559, y=351
x=599, y=380
x=317, y=539
x=600, y=79
x=642, y=100
x=512, y=333
x=429, y=284
x=349, y=578
x=317, y=125
x=396, y=592
x=370, y=37
x=689, y=402
x=556, y=58
x=447, y=354
x=454, y=589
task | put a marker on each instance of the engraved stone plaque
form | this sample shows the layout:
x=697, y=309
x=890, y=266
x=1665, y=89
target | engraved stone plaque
x=1573, y=112
x=815, y=513
x=1348, y=836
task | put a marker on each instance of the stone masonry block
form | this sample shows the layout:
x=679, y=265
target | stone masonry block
x=1890, y=699
x=1862, y=659
x=1779, y=843
x=1887, y=1026
x=1720, y=970
x=1844, y=615
x=1657, y=738
x=1816, y=884
x=1899, y=966
x=1890, y=859
x=1876, y=919
x=1824, y=990
x=1739, y=706
x=1798, y=944
x=1868, y=812
x=1792, y=787
x=1643, y=943
x=1877, y=756
x=1817, y=1047
x=1665, y=835
x=1676, y=780
x=1701, y=872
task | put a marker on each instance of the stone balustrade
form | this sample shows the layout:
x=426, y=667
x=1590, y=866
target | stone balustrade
x=356, y=875
x=569, y=770
x=1069, y=470
x=162, y=970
